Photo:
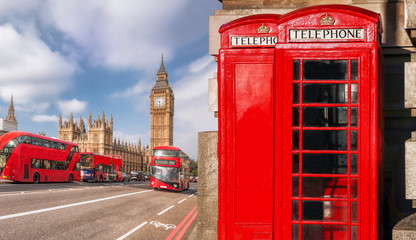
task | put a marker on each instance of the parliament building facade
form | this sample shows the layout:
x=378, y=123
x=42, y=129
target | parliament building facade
x=98, y=138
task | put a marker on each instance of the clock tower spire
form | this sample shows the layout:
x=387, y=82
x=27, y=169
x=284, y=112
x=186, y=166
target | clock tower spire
x=161, y=110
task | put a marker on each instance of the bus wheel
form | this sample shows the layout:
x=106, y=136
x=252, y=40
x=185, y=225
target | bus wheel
x=36, y=178
x=71, y=178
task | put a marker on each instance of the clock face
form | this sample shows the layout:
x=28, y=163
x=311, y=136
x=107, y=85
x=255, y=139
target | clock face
x=159, y=101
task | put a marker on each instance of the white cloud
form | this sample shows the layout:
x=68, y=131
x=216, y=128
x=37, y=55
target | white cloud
x=45, y=118
x=30, y=71
x=124, y=33
x=72, y=106
x=191, y=105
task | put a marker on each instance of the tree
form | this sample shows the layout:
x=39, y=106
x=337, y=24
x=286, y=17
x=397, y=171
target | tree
x=194, y=168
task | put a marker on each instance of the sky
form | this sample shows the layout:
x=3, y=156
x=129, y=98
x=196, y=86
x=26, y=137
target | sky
x=81, y=56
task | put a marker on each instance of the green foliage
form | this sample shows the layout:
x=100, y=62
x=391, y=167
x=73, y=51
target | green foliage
x=194, y=168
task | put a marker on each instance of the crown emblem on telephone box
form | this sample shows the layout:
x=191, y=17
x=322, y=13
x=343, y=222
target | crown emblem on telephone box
x=263, y=29
x=327, y=20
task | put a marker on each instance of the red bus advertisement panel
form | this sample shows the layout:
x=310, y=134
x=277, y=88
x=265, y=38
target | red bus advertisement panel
x=170, y=169
x=27, y=157
x=99, y=168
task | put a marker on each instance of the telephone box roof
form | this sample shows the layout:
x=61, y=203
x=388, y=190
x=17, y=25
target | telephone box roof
x=260, y=18
x=334, y=8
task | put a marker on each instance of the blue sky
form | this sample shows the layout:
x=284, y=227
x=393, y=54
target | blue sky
x=81, y=56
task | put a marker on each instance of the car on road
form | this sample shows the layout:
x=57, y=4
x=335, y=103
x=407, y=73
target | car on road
x=137, y=176
x=126, y=177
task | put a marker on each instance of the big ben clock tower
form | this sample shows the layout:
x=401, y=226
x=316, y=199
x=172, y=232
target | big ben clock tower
x=161, y=110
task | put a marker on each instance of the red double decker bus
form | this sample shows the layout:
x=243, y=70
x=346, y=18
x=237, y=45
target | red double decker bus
x=27, y=157
x=99, y=168
x=170, y=169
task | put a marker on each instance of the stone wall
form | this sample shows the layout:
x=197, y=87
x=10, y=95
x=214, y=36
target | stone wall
x=207, y=185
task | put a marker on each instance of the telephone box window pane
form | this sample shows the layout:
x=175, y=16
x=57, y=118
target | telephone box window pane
x=325, y=139
x=325, y=70
x=354, y=188
x=295, y=145
x=325, y=187
x=325, y=116
x=315, y=232
x=313, y=210
x=354, y=69
x=325, y=163
x=354, y=164
x=332, y=211
x=295, y=93
x=353, y=117
x=295, y=163
x=354, y=93
x=354, y=233
x=295, y=210
x=354, y=212
x=295, y=187
x=353, y=140
x=295, y=116
x=295, y=231
x=296, y=69
x=325, y=93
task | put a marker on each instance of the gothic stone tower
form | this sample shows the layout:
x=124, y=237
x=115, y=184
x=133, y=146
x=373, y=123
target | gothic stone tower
x=10, y=123
x=161, y=110
x=97, y=138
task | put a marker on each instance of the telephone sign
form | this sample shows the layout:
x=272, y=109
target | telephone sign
x=314, y=35
x=301, y=125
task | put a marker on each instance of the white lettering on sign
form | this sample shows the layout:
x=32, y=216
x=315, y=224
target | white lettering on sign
x=253, y=41
x=326, y=34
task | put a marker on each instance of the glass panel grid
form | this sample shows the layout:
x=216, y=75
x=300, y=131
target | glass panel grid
x=337, y=204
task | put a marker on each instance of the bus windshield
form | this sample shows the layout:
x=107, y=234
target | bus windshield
x=86, y=161
x=165, y=174
x=5, y=153
x=165, y=153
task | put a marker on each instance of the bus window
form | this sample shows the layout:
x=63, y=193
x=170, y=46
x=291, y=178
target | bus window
x=3, y=160
x=12, y=144
x=24, y=139
x=165, y=153
x=37, y=141
x=61, y=146
x=46, y=143
x=53, y=145
x=77, y=167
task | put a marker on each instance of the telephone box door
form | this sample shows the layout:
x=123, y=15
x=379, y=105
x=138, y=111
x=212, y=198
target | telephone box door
x=246, y=128
x=246, y=203
x=329, y=127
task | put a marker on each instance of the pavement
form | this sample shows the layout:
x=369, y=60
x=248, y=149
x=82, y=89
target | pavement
x=194, y=234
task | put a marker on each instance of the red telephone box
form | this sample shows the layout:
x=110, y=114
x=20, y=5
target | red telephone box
x=301, y=125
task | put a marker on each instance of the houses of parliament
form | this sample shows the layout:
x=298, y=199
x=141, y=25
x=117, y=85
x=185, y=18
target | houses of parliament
x=97, y=137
